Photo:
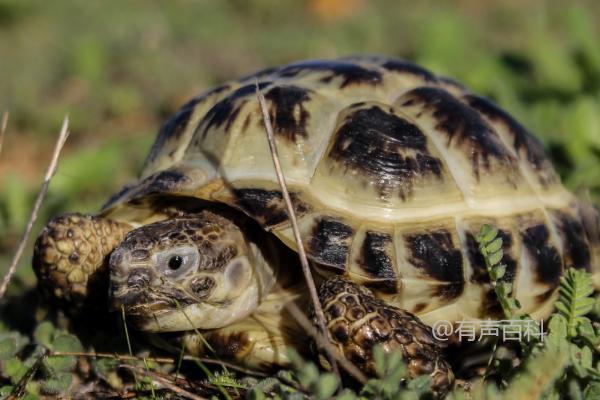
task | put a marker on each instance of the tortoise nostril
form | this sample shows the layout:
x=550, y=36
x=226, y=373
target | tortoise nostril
x=139, y=278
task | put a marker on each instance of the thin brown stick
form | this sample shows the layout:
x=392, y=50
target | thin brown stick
x=3, y=125
x=62, y=137
x=292, y=216
x=323, y=342
x=160, y=360
x=164, y=382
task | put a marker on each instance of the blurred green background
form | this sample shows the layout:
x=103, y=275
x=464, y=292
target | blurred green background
x=118, y=68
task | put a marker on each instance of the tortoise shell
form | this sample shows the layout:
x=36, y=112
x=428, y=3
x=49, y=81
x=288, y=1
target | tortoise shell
x=392, y=171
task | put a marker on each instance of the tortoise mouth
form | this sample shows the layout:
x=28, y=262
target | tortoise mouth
x=147, y=301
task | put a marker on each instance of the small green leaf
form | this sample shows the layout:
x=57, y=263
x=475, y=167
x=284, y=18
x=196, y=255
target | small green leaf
x=6, y=390
x=57, y=385
x=15, y=369
x=308, y=374
x=499, y=271
x=487, y=233
x=8, y=348
x=592, y=391
x=558, y=326
x=44, y=333
x=66, y=342
x=581, y=359
x=346, y=394
x=495, y=258
x=494, y=246
x=326, y=386
x=379, y=359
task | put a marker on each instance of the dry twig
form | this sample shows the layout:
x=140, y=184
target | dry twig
x=3, y=125
x=159, y=360
x=64, y=132
x=322, y=338
x=164, y=382
x=323, y=342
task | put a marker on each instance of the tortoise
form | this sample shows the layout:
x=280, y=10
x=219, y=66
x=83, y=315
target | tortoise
x=392, y=171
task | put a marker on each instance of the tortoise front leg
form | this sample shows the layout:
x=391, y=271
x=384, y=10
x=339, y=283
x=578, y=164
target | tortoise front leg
x=69, y=257
x=357, y=321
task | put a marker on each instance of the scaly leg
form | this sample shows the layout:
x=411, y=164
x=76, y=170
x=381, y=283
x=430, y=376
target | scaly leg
x=69, y=257
x=358, y=321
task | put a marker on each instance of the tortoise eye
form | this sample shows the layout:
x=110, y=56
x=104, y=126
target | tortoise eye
x=175, y=262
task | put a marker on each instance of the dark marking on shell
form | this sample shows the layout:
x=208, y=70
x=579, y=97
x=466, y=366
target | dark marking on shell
x=167, y=181
x=330, y=242
x=287, y=110
x=258, y=74
x=267, y=206
x=576, y=249
x=464, y=127
x=406, y=67
x=376, y=262
x=590, y=219
x=227, y=110
x=388, y=286
x=386, y=150
x=175, y=125
x=351, y=74
x=172, y=129
x=419, y=307
x=435, y=254
x=546, y=259
x=449, y=82
x=543, y=298
x=523, y=140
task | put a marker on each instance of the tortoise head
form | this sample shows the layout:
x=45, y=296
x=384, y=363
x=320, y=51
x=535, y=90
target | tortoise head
x=187, y=273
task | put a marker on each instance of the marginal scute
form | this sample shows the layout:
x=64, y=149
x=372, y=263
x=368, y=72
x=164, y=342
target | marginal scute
x=576, y=250
x=438, y=257
x=375, y=255
x=373, y=260
x=546, y=260
x=267, y=206
x=329, y=244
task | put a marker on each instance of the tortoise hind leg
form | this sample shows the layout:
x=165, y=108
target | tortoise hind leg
x=357, y=321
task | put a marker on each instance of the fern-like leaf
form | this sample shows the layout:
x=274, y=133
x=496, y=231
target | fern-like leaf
x=574, y=299
x=541, y=372
x=490, y=247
